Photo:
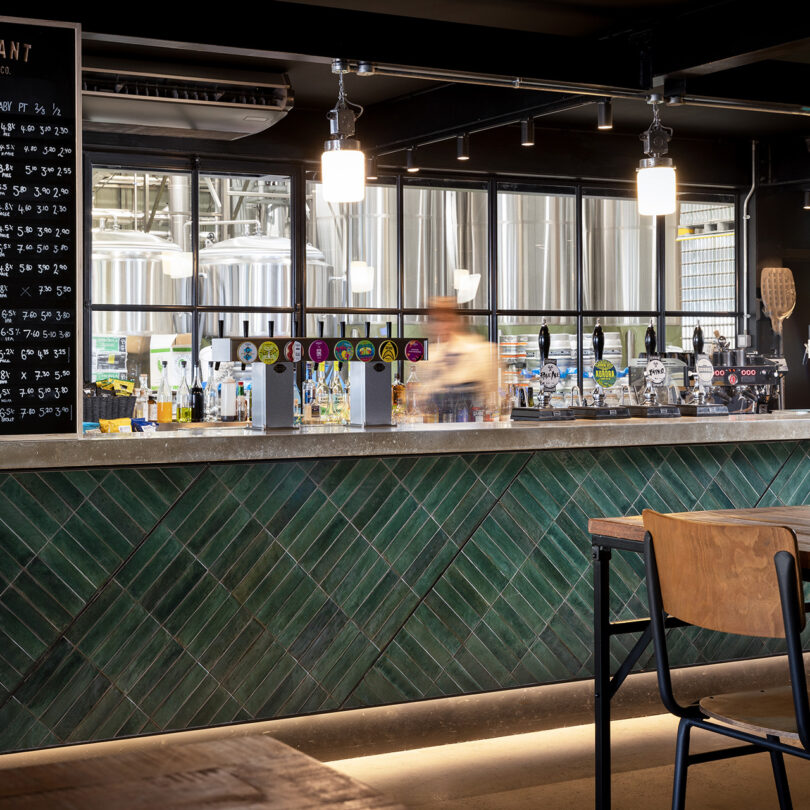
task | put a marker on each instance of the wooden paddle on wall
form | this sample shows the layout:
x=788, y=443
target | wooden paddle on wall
x=778, y=295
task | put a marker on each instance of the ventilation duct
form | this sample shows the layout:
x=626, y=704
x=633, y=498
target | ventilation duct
x=181, y=101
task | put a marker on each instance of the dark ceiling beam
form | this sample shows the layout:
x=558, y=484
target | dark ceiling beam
x=328, y=32
x=726, y=35
x=429, y=117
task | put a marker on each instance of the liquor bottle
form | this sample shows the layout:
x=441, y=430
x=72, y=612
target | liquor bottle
x=397, y=400
x=308, y=396
x=322, y=399
x=142, y=401
x=197, y=397
x=337, y=395
x=227, y=398
x=183, y=397
x=164, y=397
x=241, y=404
x=152, y=407
x=211, y=396
x=297, y=405
x=413, y=405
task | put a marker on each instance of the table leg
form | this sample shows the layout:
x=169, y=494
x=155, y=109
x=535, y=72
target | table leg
x=601, y=655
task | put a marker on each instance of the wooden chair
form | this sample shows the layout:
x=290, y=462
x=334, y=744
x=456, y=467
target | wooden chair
x=734, y=579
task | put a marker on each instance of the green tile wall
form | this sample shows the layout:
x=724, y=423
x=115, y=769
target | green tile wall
x=137, y=600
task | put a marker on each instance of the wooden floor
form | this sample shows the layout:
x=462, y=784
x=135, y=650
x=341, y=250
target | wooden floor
x=249, y=773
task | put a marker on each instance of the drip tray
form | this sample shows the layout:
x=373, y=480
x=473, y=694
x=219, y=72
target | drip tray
x=704, y=410
x=594, y=412
x=655, y=411
x=542, y=415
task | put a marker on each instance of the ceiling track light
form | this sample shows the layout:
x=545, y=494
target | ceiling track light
x=527, y=132
x=463, y=147
x=410, y=160
x=806, y=205
x=604, y=114
x=343, y=165
x=371, y=168
x=655, y=178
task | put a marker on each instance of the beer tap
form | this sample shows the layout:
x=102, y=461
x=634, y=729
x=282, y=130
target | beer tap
x=544, y=343
x=698, y=394
x=599, y=396
x=650, y=397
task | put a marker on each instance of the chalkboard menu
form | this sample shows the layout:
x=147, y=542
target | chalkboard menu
x=39, y=233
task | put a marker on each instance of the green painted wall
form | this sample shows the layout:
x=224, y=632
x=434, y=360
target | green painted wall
x=142, y=599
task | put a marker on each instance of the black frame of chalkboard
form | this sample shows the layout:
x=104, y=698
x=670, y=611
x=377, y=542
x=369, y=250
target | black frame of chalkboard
x=78, y=219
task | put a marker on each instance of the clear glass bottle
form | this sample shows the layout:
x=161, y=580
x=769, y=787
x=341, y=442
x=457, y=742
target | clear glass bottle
x=322, y=399
x=152, y=407
x=164, y=397
x=227, y=398
x=183, y=397
x=297, y=405
x=413, y=397
x=142, y=400
x=197, y=397
x=337, y=395
x=211, y=395
x=308, y=396
x=241, y=403
x=397, y=400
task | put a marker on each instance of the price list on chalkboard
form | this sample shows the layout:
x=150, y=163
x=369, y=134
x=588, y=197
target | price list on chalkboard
x=39, y=236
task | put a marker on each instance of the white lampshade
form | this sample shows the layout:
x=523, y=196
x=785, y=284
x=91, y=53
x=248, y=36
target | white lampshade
x=343, y=172
x=460, y=275
x=656, y=190
x=361, y=277
x=177, y=265
x=468, y=289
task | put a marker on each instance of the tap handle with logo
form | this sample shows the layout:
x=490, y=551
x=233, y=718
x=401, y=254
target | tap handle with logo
x=598, y=341
x=544, y=342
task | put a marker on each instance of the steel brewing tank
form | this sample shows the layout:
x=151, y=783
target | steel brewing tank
x=253, y=271
x=131, y=267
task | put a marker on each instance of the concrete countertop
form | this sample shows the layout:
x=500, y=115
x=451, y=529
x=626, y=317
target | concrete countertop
x=224, y=444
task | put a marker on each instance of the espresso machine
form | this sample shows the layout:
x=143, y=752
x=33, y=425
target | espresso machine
x=549, y=381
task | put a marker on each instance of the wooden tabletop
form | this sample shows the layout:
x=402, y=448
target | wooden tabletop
x=252, y=773
x=795, y=517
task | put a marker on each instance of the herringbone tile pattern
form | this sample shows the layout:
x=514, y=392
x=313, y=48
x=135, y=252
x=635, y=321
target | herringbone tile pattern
x=136, y=600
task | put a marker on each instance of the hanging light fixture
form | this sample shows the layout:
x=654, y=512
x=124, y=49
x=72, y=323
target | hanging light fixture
x=655, y=179
x=371, y=168
x=463, y=147
x=410, y=160
x=604, y=114
x=806, y=205
x=527, y=132
x=361, y=277
x=343, y=165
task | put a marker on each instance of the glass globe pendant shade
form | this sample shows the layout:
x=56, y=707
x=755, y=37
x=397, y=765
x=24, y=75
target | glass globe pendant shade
x=343, y=173
x=656, y=187
x=361, y=277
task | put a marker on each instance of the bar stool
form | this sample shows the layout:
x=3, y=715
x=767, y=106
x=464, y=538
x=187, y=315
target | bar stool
x=733, y=579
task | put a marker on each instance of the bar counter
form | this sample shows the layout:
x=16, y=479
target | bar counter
x=194, y=446
x=172, y=581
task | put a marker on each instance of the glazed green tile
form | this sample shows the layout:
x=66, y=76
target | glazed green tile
x=210, y=630
x=41, y=600
x=21, y=524
x=104, y=546
x=306, y=632
x=259, y=659
x=387, y=614
x=478, y=569
x=76, y=678
x=296, y=615
x=333, y=651
x=185, y=688
x=351, y=666
x=104, y=719
x=285, y=599
x=238, y=529
x=164, y=682
x=285, y=687
x=251, y=585
x=85, y=563
x=400, y=466
x=254, y=697
x=482, y=665
x=456, y=680
x=282, y=504
x=153, y=660
x=25, y=627
x=142, y=507
x=210, y=605
x=422, y=648
x=349, y=569
x=159, y=552
x=261, y=597
x=383, y=529
x=173, y=587
x=327, y=547
x=496, y=470
x=309, y=521
x=27, y=506
x=313, y=648
x=434, y=555
x=240, y=559
x=196, y=536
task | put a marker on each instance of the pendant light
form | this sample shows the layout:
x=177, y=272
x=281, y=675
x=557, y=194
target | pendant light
x=343, y=164
x=655, y=179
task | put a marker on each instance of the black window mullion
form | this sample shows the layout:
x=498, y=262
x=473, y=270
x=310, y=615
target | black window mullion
x=580, y=225
x=492, y=201
x=195, y=263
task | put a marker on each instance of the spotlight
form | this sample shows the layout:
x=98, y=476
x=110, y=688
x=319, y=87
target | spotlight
x=410, y=160
x=463, y=147
x=604, y=114
x=527, y=132
x=371, y=168
x=806, y=205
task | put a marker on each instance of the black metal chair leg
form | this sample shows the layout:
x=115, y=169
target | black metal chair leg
x=780, y=778
x=681, y=764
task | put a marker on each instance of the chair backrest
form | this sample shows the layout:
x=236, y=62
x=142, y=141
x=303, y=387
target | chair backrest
x=721, y=576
